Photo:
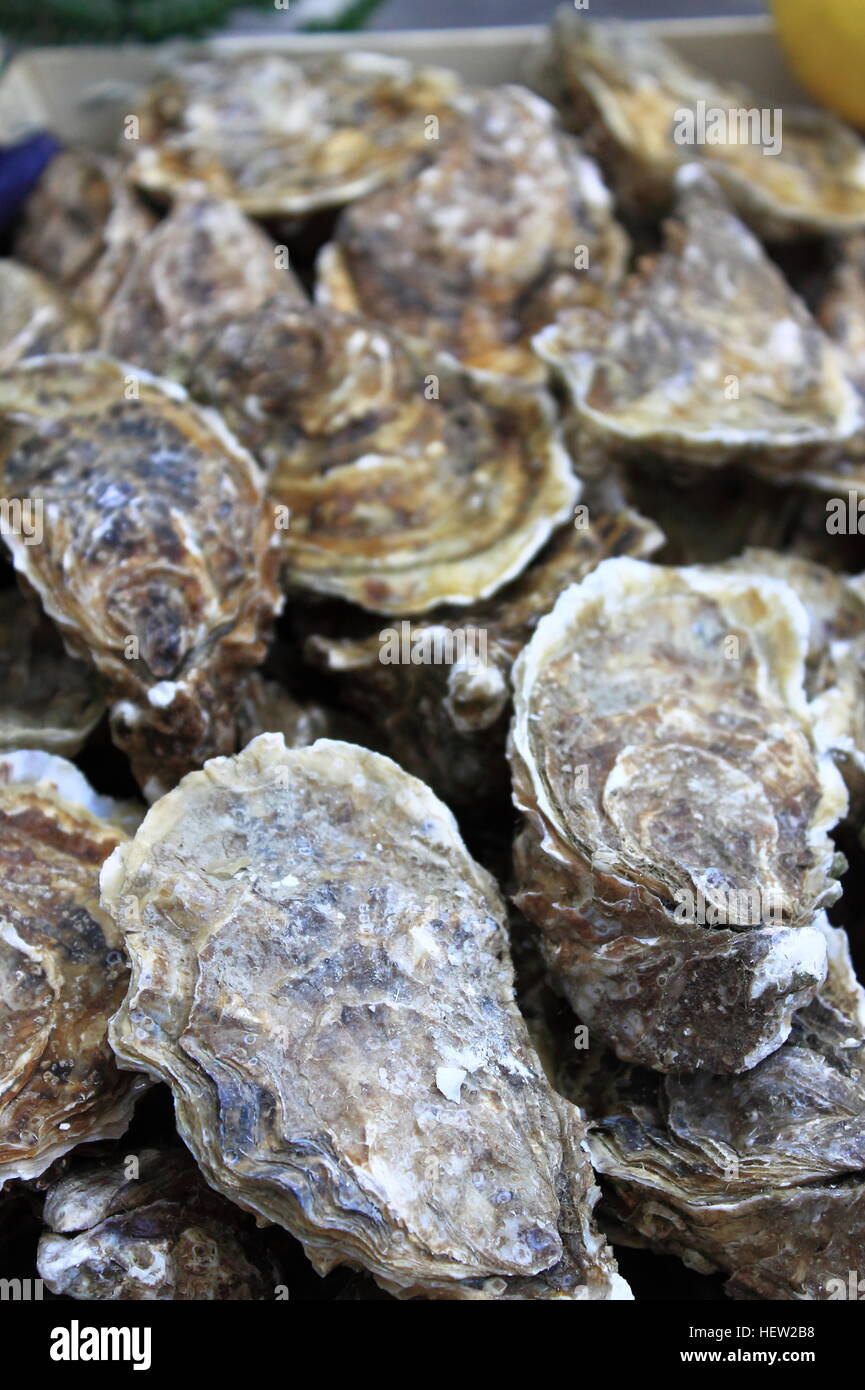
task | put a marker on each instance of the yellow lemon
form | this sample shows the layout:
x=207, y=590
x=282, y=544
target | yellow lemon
x=824, y=41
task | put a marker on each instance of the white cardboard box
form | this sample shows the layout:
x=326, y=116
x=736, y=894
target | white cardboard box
x=82, y=93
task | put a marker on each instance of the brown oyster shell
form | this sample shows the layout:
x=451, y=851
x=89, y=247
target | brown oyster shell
x=155, y=529
x=162, y=1234
x=321, y=971
x=205, y=264
x=47, y=699
x=276, y=136
x=477, y=250
x=707, y=356
x=81, y=227
x=442, y=697
x=758, y=1175
x=625, y=90
x=396, y=500
x=62, y=968
x=35, y=319
x=661, y=768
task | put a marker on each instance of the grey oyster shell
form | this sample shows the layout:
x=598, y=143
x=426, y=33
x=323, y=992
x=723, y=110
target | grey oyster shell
x=440, y=689
x=62, y=966
x=707, y=356
x=321, y=971
x=81, y=227
x=404, y=485
x=159, y=1234
x=47, y=699
x=205, y=264
x=159, y=555
x=676, y=849
x=758, y=1175
x=275, y=136
x=625, y=91
x=479, y=248
x=35, y=318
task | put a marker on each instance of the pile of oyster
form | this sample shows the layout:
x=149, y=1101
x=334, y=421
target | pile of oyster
x=432, y=730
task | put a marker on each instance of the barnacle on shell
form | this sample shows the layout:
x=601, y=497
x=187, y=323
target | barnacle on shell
x=158, y=559
x=321, y=974
x=478, y=249
x=81, y=227
x=203, y=265
x=405, y=484
x=276, y=136
x=707, y=356
x=47, y=699
x=641, y=109
x=146, y=1226
x=62, y=966
x=678, y=803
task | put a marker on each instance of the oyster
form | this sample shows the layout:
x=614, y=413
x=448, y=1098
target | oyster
x=159, y=1234
x=276, y=136
x=835, y=656
x=477, y=250
x=203, y=265
x=62, y=968
x=81, y=227
x=706, y=355
x=320, y=972
x=666, y=760
x=758, y=1175
x=35, y=319
x=643, y=111
x=158, y=560
x=440, y=689
x=49, y=700
x=404, y=490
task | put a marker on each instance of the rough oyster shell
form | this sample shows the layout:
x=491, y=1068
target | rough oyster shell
x=159, y=555
x=278, y=137
x=81, y=227
x=404, y=490
x=35, y=319
x=477, y=250
x=320, y=971
x=162, y=1234
x=62, y=969
x=707, y=355
x=444, y=703
x=47, y=700
x=757, y=1175
x=664, y=754
x=203, y=265
x=626, y=91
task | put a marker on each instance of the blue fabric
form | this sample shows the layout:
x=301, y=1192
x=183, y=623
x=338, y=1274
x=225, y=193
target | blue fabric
x=21, y=167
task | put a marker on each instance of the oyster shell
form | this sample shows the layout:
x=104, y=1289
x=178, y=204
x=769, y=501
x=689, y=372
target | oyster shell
x=309, y=1021
x=477, y=250
x=35, y=319
x=404, y=490
x=666, y=760
x=440, y=689
x=276, y=136
x=758, y=1175
x=81, y=227
x=626, y=93
x=706, y=355
x=162, y=1234
x=62, y=969
x=48, y=700
x=158, y=561
x=203, y=265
